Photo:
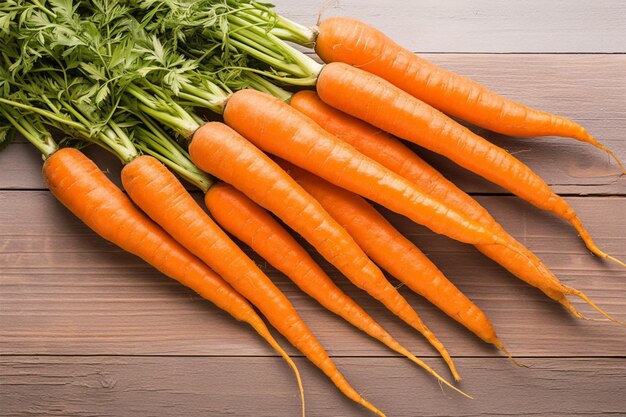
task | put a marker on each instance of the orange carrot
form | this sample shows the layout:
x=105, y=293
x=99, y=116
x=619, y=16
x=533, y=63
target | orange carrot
x=159, y=193
x=393, y=252
x=391, y=153
x=222, y=152
x=392, y=110
x=356, y=43
x=251, y=224
x=277, y=128
x=81, y=187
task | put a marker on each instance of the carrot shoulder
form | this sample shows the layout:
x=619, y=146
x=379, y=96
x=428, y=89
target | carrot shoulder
x=81, y=187
x=356, y=43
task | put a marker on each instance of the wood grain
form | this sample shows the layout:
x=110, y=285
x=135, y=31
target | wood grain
x=67, y=295
x=481, y=25
x=64, y=290
x=194, y=386
x=589, y=89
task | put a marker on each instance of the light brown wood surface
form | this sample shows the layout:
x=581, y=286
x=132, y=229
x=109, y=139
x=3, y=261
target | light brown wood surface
x=87, y=330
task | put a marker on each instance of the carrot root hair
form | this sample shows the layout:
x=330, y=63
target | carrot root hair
x=591, y=245
x=581, y=295
x=428, y=369
x=593, y=141
x=265, y=334
x=442, y=351
x=497, y=343
x=564, y=301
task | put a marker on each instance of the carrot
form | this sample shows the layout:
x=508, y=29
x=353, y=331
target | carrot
x=356, y=43
x=393, y=154
x=392, y=110
x=393, y=252
x=157, y=191
x=222, y=152
x=251, y=224
x=277, y=128
x=81, y=187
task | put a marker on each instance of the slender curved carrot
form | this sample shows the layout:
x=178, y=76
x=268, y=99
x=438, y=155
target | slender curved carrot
x=356, y=43
x=279, y=129
x=393, y=154
x=250, y=223
x=394, y=111
x=161, y=195
x=393, y=252
x=222, y=152
x=81, y=187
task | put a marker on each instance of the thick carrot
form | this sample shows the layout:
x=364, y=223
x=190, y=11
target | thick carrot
x=81, y=187
x=222, y=152
x=393, y=154
x=251, y=224
x=392, y=110
x=393, y=252
x=279, y=129
x=161, y=195
x=356, y=43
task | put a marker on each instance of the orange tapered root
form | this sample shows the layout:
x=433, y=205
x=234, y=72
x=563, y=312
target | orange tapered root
x=84, y=189
x=353, y=42
x=591, y=245
x=397, y=112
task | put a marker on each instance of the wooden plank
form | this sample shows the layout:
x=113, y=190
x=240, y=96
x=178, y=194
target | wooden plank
x=483, y=25
x=594, y=94
x=200, y=386
x=66, y=291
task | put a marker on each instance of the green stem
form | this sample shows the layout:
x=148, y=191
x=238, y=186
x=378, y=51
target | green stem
x=47, y=114
x=165, y=110
x=259, y=83
x=112, y=136
x=41, y=140
x=284, y=28
x=257, y=37
x=183, y=128
x=156, y=143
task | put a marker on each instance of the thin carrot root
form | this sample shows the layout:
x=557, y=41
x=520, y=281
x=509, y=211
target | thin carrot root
x=428, y=369
x=497, y=343
x=581, y=295
x=432, y=339
x=590, y=139
x=586, y=237
x=354, y=396
x=265, y=334
x=569, y=307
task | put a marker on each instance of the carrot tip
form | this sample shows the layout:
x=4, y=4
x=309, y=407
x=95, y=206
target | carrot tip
x=575, y=221
x=500, y=346
x=581, y=295
x=428, y=369
x=611, y=258
x=616, y=159
x=264, y=332
x=432, y=339
x=587, y=137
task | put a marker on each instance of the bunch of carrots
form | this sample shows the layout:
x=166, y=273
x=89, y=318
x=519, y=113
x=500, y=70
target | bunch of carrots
x=136, y=76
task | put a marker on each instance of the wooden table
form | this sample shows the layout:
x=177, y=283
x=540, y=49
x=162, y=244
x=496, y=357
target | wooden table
x=87, y=330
